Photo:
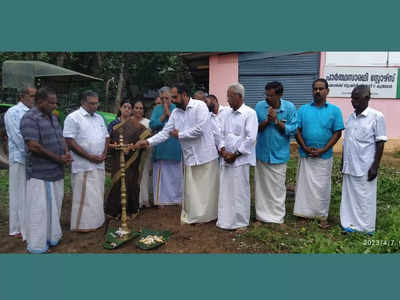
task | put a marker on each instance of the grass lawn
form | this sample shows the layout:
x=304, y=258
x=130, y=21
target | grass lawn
x=305, y=236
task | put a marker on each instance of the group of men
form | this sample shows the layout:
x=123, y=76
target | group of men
x=221, y=143
x=218, y=144
x=39, y=150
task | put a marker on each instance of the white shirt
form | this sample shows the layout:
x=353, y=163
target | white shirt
x=12, y=122
x=360, y=136
x=217, y=122
x=195, y=133
x=90, y=133
x=239, y=133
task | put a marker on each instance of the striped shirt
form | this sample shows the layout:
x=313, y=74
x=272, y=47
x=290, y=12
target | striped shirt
x=36, y=126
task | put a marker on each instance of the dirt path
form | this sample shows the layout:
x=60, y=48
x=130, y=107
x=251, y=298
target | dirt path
x=202, y=238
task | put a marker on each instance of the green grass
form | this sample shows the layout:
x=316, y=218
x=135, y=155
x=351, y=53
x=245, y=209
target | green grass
x=304, y=236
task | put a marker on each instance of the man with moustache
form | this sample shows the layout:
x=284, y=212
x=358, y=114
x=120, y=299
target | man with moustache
x=190, y=124
x=88, y=137
x=277, y=122
x=320, y=126
x=46, y=155
x=363, y=144
x=216, y=112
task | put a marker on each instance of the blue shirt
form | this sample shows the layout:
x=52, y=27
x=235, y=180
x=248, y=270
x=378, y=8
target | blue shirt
x=318, y=124
x=16, y=144
x=171, y=148
x=272, y=146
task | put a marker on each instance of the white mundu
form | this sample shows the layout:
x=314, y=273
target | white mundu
x=358, y=206
x=90, y=133
x=200, y=158
x=42, y=218
x=270, y=182
x=313, y=187
x=238, y=133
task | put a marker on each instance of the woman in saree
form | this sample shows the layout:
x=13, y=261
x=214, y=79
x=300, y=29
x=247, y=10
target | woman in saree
x=132, y=131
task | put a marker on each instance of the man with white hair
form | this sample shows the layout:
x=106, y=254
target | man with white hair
x=190, y=124
x=363, y=144
x=237, y=148
x=167, y=157
x=16, y=150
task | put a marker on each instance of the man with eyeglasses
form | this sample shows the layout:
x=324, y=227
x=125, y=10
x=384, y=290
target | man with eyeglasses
x=190, y=124
x=16, y=150
x=277, y=122
x=167, y=157
x=86, y=134
x=320, y=126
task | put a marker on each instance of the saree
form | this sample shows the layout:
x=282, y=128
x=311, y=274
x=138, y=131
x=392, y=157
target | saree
x=132, y=131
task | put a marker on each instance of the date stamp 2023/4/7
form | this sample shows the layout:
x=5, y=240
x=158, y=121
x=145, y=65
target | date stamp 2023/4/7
x=380, y=243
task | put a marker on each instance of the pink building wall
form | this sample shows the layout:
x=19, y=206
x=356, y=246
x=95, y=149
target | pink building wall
x=389, y=107
x=224, y=70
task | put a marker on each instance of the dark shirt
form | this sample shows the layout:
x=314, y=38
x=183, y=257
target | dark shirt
x=36, y=126
x=112, y=124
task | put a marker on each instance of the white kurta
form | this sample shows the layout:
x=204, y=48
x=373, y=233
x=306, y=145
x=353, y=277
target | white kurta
x=87, y=200
x=238, y=133
x=201, y=186
x=358, y=205
x=200, y=156
x=42, y=214
x=313, y=188
x=234, y=197
x=196, y=134
x=145, y=182
x=270, y=192
x=17, y=204
x=167, y=182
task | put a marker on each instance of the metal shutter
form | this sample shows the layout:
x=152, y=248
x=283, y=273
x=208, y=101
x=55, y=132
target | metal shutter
x=295, y=71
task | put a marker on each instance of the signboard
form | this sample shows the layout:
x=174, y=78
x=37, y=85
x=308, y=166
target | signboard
x=382, y=81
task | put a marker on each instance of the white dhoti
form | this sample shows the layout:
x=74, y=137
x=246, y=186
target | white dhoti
x=42, y=214
x=200, y=199
x=17, y=203
x=145, y=183
x=234, y=197
x=87, y=200
x=358, y=206
x=313, y=188
x=167, y=182
x=270, y=192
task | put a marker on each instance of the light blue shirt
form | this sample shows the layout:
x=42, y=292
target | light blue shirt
x=171, y=148
x=16, y=144
x=318, y=124
x=272, y=146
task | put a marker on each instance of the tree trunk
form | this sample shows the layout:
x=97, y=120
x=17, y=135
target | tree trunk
x=60, y=59
x=119, y=89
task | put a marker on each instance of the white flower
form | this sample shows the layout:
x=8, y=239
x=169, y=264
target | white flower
x=121, y=232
